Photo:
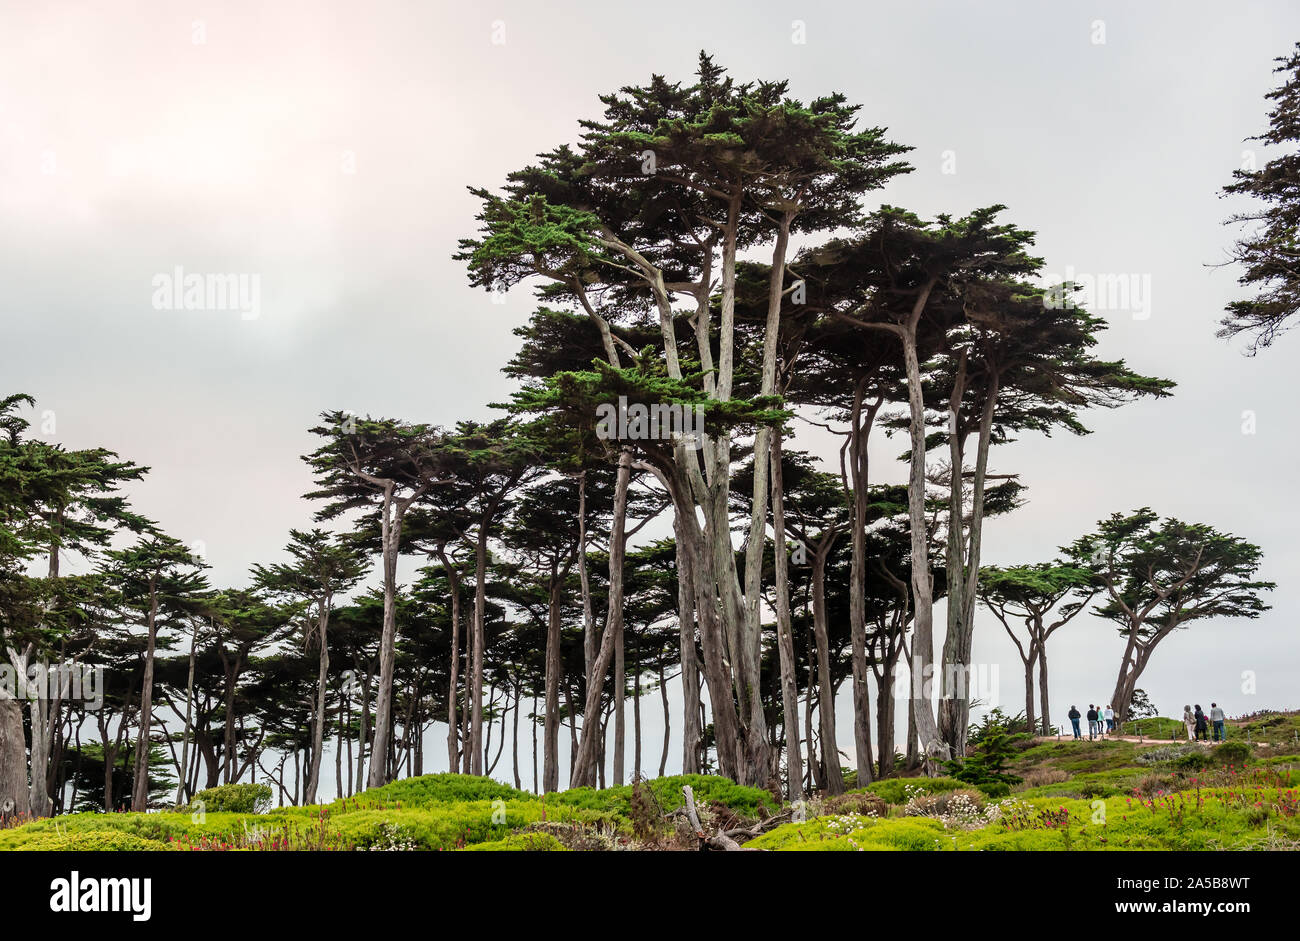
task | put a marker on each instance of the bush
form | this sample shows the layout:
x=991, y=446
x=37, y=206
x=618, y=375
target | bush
x=1170, y=755
x=112, y=841
x=945, y=803
x=233, y=798
x=997, y=721
x=894, y=790
x=521, y=843
x=1040, y=777
x=857, y=802
x=1232, y=753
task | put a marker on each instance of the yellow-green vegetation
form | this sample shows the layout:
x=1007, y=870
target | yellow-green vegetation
x=1071, y=795
x=1165, y=797
x=432, y=812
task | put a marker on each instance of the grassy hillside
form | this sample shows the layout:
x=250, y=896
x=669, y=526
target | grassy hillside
x=1065, y=795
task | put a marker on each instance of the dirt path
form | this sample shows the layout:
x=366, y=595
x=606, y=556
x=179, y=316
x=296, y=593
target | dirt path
x=1144, y=741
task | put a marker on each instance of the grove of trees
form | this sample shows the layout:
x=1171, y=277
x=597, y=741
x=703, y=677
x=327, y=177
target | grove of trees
x=708, y=247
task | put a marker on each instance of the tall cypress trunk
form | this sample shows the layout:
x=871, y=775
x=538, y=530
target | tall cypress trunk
x=620, y=687
x=857, y=586
x=514, y=739
x=140, y=791
x=686, y=647
x=584, y=772
x=584, y=579
x=963, y=559
x=551, y=746
x=182, y=776
x=453, y=682
x=318, y=720
x=475, y=698
x=825, y=688
x=931, y=745
x=15, y=799
x=785, y=628
x=1029, y=687
x=1044, y=707
x=636, y=717
x=663, y=693
x=364, y=732
x=391, y=534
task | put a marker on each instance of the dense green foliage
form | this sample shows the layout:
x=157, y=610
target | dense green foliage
x=234, y=798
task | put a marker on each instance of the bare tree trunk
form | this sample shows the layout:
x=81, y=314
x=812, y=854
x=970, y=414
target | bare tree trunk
x=636, y=717
x=686, y=647
x=885, y=722
x=857, y=588
x=589, y=746
x=785, y=628
x=140, y=791
x=663, y=693
x=338, y=755
x=816, y=778
x=365, y=732
x=1043, y=701
x=475, y=698
x=1029, y=688
x=185, y=735
x=825, y=688
x=620, y=697
x=514, y=739
x=453, y=581
x=14, y=795
x=584, y=580
x=391, y=533
x=922, y=667
x=318, y=720
x=551, y=738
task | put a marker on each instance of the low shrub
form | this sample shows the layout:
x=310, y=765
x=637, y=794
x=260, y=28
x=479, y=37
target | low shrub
x=894, y=790
x=1185, y=755
x=857, y=802
x=521, y=843
x=111, y=841
x=1041, y=777
x=233, y=798
x=1232, y=753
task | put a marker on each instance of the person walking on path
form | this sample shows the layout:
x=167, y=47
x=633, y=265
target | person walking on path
x=1202, y=725
x=1110, y=719
x=1092, y=722
x=1190, y=722
x=1074, y=720
x=1218, y=718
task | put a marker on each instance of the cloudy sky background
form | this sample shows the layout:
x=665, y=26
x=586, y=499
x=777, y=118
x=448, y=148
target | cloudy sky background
x=127, y=149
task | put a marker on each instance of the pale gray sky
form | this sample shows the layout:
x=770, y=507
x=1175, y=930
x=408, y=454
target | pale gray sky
x=326, y=147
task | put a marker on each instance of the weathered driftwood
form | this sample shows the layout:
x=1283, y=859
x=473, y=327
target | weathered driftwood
x=722, y=840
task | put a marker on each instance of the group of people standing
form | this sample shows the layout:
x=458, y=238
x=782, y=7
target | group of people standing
x=1101, y=722
x=1198, y=723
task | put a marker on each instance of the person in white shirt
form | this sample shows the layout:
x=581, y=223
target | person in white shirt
x=1110, y=719
x=1218, y=718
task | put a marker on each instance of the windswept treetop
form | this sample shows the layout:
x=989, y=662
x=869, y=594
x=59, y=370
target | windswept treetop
x=1269, y=251
x=1162, y=575
x=654, y=184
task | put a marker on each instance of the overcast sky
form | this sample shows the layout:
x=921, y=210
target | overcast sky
x=326, y=147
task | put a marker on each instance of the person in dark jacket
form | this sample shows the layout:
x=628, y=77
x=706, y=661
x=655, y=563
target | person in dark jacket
x=1202, y=725
x=1074, y=720
x=1092, y=722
